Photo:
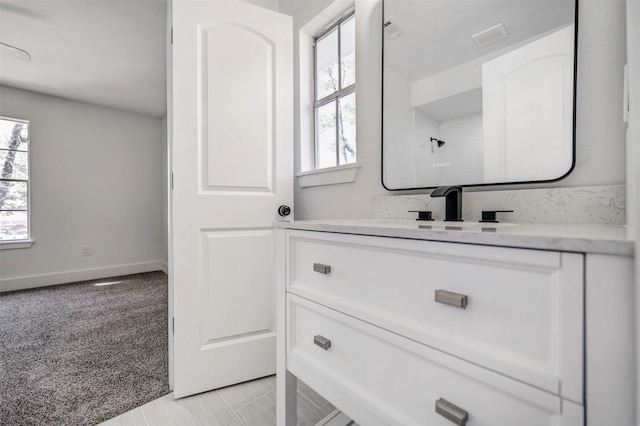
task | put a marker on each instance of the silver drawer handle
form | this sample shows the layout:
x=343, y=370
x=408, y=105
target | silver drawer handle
x=321, y=341
x=451, y=412
x=323, y=269
x=452, y=299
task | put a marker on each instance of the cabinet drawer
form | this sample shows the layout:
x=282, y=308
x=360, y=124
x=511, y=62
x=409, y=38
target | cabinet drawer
x=378, y=377
x=524, y=308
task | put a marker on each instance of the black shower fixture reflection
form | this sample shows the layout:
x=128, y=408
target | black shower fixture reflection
x=438, y=141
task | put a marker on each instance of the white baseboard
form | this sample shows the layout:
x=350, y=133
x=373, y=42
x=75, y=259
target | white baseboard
x=164, y=267
x=33, y=281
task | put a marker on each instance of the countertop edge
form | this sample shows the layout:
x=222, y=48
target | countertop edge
x=512, y=238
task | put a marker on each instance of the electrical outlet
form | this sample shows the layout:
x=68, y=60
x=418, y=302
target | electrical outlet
x=86, y=250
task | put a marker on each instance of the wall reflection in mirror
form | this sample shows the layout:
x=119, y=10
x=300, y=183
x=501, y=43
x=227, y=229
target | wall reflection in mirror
x=477, y=92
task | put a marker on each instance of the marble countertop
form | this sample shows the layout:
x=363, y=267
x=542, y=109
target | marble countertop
x=582, y=238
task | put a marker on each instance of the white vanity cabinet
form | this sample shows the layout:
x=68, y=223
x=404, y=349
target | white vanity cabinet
x=403, y=331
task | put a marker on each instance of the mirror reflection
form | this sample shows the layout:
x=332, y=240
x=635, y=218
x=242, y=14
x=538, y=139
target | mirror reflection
x=477, y=92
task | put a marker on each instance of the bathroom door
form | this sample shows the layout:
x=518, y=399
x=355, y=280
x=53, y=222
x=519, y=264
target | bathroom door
x=231, y=125
x=527, y=110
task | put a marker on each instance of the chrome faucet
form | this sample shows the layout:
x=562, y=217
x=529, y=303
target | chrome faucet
x=452, y=202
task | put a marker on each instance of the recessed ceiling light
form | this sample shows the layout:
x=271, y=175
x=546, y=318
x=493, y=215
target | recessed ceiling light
x=7, y=49
x=491, y=35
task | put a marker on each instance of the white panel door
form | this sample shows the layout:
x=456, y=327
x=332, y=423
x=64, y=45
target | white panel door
x=527, y=102
x=232, y=164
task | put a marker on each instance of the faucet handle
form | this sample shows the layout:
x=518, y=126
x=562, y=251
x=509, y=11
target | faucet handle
x=423, y=214
x=491, y=215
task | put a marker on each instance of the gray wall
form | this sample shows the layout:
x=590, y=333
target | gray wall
x=600, y=131
x=96, y=179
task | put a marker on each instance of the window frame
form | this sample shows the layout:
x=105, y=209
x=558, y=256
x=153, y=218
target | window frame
x=336, y=96
x=27, y=241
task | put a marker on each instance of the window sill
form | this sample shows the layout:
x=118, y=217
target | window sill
x=18, y=244
x=328, y=176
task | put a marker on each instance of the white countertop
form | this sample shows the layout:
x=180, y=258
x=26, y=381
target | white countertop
x=582, y=238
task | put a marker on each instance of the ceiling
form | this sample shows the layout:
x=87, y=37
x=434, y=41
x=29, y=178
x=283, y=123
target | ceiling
x=105, y=52
x=438, y=33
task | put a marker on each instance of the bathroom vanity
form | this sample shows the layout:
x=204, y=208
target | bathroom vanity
x=409, y=322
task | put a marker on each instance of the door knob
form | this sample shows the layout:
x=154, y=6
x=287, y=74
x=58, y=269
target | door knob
x=284, y=210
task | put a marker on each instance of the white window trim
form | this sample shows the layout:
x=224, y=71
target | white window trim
x=309, y=176
x=18, y=244
x=328, y=176
x=21, y=244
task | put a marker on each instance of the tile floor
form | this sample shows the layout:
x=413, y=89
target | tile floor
x=251, y=404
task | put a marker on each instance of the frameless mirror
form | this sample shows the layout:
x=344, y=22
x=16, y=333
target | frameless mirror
x=477, y=92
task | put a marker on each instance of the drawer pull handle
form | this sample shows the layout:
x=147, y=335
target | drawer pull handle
x=323, y=342
x=451, y=412
x=452, y=299
x=323, y=269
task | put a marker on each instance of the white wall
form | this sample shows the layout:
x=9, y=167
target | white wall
x=96, y=179
x=267, y=4
x=399, y=127
x=600, y=133
x=349, y=200
x=467, y=153
x=426, y=152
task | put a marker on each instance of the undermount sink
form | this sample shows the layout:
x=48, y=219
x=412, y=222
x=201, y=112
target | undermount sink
x=438, y=225
x=463, y=226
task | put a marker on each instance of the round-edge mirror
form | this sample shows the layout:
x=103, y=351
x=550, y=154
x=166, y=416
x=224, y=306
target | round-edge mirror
x=477, y=92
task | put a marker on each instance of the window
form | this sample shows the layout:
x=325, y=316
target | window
x=14, y=179
x=335, y=95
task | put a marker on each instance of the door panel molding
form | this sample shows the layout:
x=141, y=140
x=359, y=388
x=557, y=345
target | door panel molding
x=236, y=100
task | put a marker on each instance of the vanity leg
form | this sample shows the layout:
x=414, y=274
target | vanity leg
x=286, y=383
x=286, y=400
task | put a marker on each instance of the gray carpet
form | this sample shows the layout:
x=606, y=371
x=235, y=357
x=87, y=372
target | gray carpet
x=79, y=354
